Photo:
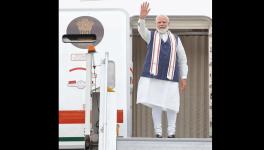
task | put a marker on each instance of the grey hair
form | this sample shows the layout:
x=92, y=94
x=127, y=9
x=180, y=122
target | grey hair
x=163, y=16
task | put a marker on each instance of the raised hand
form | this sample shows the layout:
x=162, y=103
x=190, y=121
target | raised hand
x=144, y=10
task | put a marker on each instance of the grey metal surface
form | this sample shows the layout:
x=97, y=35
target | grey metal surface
x=136, y=143
x=164, y=144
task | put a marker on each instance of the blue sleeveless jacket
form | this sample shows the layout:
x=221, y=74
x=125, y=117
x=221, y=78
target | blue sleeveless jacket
x=164, y=59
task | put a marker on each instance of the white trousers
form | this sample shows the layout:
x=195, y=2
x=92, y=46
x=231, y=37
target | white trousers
x=160, y=95
x=171, y=117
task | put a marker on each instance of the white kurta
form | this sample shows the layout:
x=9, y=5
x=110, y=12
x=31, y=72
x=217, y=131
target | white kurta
x=158, y=93
x=161, y=93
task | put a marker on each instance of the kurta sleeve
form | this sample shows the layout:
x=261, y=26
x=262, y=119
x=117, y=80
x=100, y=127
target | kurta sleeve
x=182, y=60
x=143, y=31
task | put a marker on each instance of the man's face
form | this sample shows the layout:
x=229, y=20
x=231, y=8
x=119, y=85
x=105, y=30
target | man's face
x=162, y=24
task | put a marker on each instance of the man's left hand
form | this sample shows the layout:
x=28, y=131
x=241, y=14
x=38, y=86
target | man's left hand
x=183, y=83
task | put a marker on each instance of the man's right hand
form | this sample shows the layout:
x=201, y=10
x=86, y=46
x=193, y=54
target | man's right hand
x=144, y=10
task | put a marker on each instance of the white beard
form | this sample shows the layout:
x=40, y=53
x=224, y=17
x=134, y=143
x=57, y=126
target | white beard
x=163, y=30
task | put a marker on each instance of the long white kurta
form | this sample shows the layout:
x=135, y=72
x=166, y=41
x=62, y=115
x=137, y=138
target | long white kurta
x=153, y=92
x=161, y=93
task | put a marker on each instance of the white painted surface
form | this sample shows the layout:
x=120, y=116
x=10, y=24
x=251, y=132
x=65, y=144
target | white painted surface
x=168, y=7
x=115, y=40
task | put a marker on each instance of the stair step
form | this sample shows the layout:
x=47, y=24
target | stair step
x=164, y=143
